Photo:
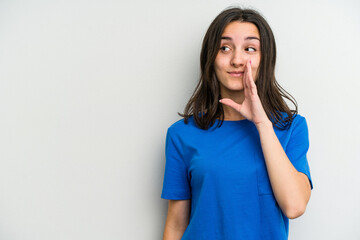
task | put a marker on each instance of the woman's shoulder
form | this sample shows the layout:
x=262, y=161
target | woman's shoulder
x=182, y=126
x=296, y=129
x=298, y=124
x=297, y=121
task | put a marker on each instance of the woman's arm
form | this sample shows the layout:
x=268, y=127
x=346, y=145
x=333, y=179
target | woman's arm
x=291, y=188
x=177, y=219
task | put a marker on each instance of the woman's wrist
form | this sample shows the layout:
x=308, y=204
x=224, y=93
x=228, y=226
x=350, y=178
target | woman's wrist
x=267, y=124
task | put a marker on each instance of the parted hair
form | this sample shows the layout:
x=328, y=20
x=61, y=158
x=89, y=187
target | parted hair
x=204, y=103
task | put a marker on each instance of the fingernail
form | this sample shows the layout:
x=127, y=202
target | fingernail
x=220, y=100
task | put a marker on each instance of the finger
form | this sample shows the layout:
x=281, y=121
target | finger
x=249, y=72
x=251, y=82
x=247, y=90
x=230, y=103
x=246, y=76
x=245, y=84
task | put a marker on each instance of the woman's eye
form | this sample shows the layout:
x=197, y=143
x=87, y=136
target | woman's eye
x=225, y=49
x=250, y=49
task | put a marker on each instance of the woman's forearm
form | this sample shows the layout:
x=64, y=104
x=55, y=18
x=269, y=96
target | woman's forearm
x=172, y=233
x=291, y=188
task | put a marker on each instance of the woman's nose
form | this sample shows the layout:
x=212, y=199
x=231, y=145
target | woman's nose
x=238, y=59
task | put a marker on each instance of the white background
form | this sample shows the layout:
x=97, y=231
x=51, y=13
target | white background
x=88, y=89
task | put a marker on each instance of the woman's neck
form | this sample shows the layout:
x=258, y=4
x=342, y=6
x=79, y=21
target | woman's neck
x=231, y=114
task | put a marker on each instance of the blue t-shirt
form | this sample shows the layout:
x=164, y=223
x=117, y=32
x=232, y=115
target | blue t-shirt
x=222, y=170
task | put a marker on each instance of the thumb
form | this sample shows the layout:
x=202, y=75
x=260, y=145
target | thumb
x=229, y=102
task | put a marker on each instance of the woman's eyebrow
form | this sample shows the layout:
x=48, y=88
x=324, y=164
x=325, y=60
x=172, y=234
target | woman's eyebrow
x=251, y=38
x=226, y=38
x=247, y=38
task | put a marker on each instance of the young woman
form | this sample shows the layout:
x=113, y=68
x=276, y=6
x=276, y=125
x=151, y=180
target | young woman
x=236, y=165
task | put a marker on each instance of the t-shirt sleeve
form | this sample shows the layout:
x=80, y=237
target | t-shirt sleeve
x=176, y=185
x=298, y=147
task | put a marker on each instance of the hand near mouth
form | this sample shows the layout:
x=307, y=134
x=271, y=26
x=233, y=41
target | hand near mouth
x=251, y=108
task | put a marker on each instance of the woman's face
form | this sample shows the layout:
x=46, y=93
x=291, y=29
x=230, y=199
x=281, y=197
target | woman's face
x=240, y=42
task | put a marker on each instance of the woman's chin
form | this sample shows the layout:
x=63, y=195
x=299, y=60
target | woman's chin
x=235, y=88
x=232, y=88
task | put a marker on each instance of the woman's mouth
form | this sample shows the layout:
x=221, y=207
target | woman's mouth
x=236, y=74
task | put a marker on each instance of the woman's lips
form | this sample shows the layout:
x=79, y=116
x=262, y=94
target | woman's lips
x=236, y=74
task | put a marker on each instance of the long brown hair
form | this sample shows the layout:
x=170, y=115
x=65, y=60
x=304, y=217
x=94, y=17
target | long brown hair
x=204, y=103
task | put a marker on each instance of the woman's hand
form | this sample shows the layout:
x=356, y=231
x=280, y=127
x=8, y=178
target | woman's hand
x=251, y=108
